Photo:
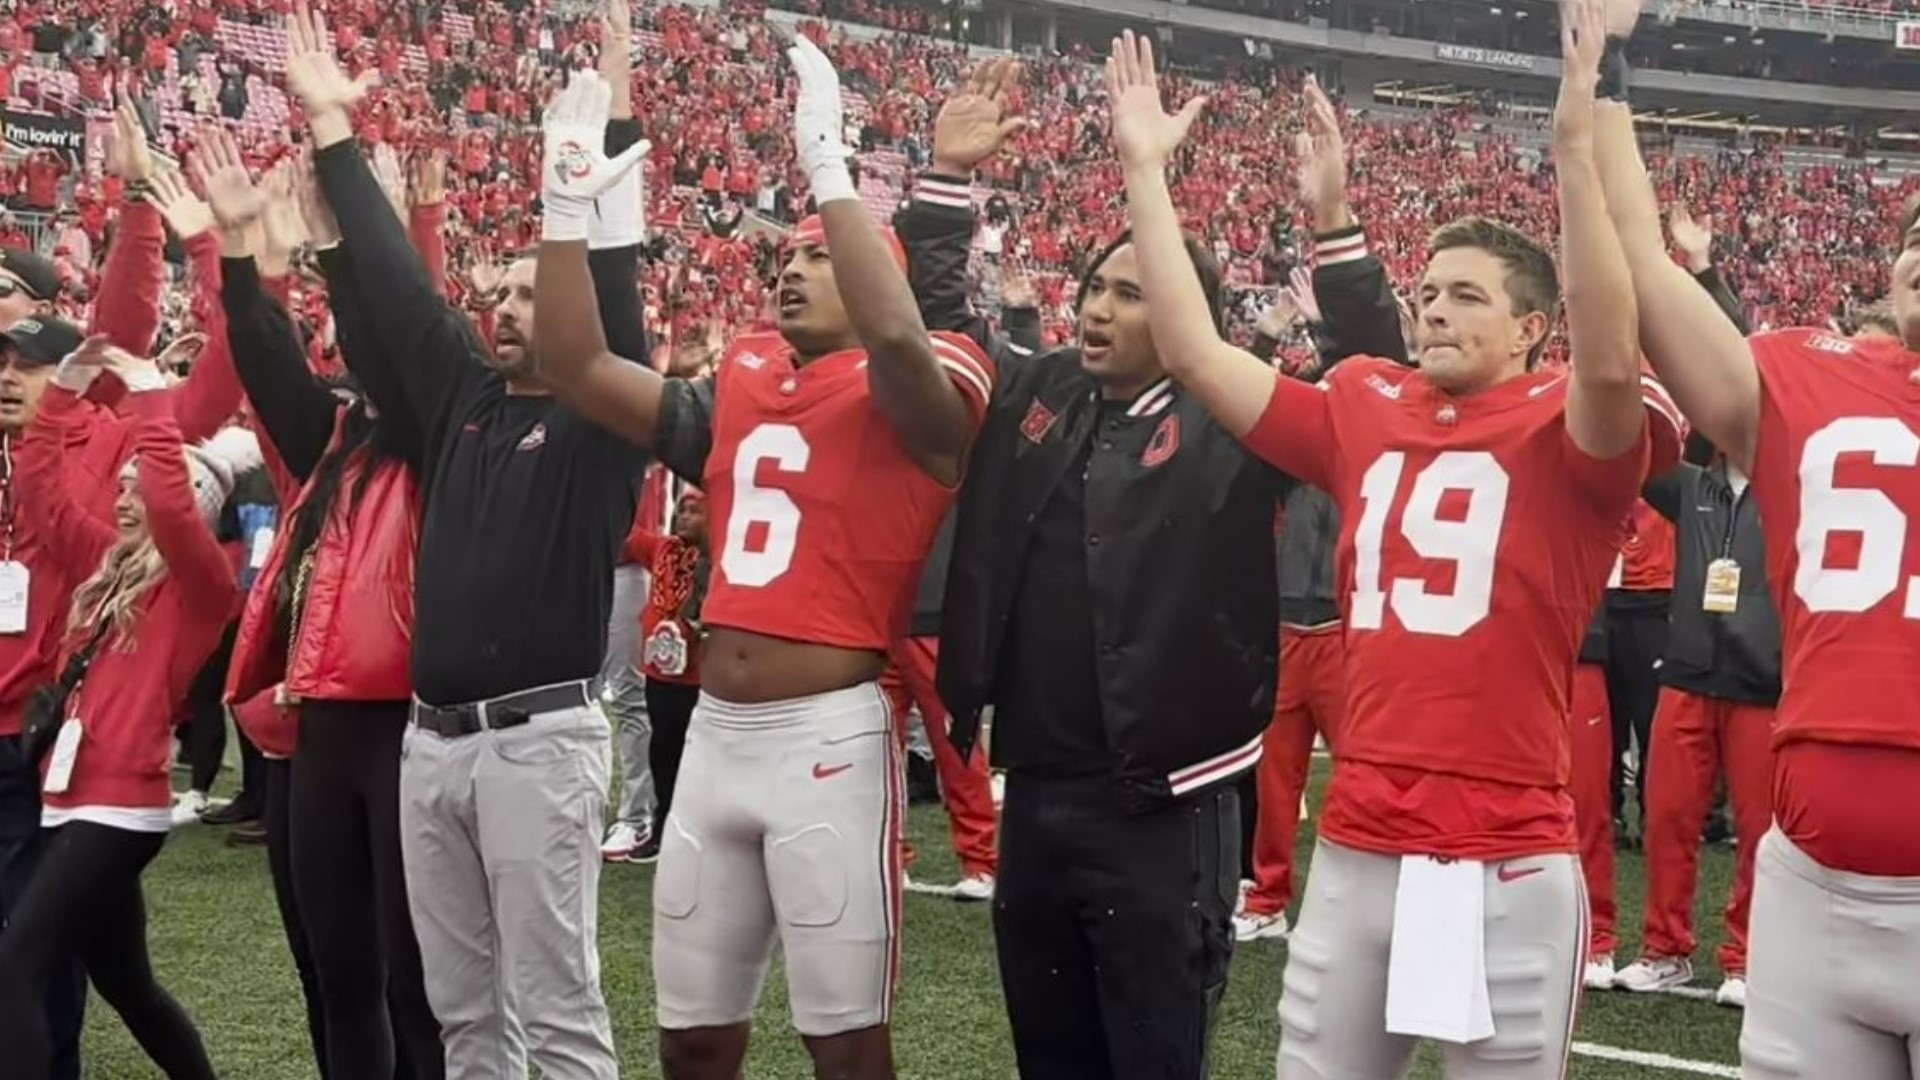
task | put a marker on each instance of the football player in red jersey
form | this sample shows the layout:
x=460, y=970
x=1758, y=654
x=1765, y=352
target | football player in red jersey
x=1481, y=503
x=1828, y=430
x=830, y=452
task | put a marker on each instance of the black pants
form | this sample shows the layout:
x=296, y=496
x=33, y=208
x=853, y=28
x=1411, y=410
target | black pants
x=1636, y=640
x=669, y=710
x=203, y=733
x=64, y=999
x=85, y=898
x=275, y=818
x=1114, y=930
x=351, y=891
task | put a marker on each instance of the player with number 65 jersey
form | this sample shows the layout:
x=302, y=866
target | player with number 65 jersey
x=830, y=451
x=1828, y=428
x=1481, y=501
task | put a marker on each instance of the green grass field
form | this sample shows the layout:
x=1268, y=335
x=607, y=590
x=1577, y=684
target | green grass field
x=218, y=946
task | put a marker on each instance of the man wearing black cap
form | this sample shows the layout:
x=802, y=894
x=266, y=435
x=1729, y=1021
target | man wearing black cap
x=29, y=284
x=32, y=601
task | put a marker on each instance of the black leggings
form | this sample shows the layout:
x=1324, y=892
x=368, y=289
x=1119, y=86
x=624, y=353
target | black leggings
x=274, y=816
x=85, y=897
x=669, y=710
x=348, y=878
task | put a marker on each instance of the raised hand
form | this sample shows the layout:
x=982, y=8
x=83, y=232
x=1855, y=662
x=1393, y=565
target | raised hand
x=314, y=75
x=1017, y=289
x=218, y=168
x=819, y=123
x=616, y=23
x=127, y=154
x=283, y=231
x=1322, y=153
x=1583, y=38
x=427, y=178
x=1145, y=134
x=973, y=125
x=574, y=170
x=186, y=213
x=1279, y=315
x=483, y=280
x=1622, y=16
x=315, y=212
x=79, y=368
x=1299, y=292
x=1693, y=236
x=393, y=180
x=181, y=351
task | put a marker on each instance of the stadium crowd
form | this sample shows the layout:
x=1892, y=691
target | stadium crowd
x=314, y=258
x=722, y=159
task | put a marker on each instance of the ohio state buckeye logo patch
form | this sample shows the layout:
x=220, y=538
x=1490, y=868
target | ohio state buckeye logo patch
x=1039, y=420
x=571, y=161
x=1166, y=440
x=666, y=650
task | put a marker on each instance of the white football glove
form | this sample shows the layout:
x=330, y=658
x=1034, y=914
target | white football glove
x=574, y=170
x=819, y=124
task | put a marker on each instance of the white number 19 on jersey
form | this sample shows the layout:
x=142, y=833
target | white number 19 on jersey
x=1469, y=543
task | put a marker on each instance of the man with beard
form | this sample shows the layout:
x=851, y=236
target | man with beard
x=526, y=507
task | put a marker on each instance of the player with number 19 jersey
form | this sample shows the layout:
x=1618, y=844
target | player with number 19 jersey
x=1476, y=541
x=1836, y=473
x=821, y=518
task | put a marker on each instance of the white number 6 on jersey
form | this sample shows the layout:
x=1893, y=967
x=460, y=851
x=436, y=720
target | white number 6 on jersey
x=786, y=448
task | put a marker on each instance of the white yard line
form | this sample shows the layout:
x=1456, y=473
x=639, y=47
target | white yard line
x=1648, y=1060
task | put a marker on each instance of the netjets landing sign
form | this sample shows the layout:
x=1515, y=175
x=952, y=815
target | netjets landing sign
x=1479, y=57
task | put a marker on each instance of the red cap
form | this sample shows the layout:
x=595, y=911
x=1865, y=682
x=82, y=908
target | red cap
x=811, y=231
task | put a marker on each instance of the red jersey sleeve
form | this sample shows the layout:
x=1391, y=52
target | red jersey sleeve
x=1295, y=432
x=969, y=368
x=1658, y=450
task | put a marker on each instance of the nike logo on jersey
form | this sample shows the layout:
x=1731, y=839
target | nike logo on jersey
x=828, y=772
x=1508, y=875
x=1544, y=387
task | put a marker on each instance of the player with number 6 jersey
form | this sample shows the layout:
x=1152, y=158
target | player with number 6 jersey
x=829, y=451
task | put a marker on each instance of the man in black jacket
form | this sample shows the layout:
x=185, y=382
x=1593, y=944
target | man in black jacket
x=525, y=508
x=1112, y=597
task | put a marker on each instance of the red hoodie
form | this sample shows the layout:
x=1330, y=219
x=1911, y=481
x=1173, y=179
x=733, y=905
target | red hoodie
x=127, y=701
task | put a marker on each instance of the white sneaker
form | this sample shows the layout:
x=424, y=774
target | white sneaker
x=1651, y=974
x=622, y=839
x=1600, y=973
x=974, y=887
x=1255, y=927
x=188, y=806
x=1732, y=992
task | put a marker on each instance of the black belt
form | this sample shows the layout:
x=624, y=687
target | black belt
x=495, y=714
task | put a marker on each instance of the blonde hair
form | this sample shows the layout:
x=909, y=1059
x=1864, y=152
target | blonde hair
x=128, y=572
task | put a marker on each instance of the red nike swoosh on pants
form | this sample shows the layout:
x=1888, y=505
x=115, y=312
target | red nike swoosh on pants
x=1508, y=877
x=824, y=772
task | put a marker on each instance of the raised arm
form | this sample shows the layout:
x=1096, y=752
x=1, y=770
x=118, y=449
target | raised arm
x=127, y=306
x=1701, y=358
x=74, y=536
x=296, y=412
x=434, y=350
x=182, y=535
x=916, y=387
x=1238, y=388
x=936, y=226
x=427, y=214
x=1358, y=315
x=1605, y=416
x=1694, y=237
